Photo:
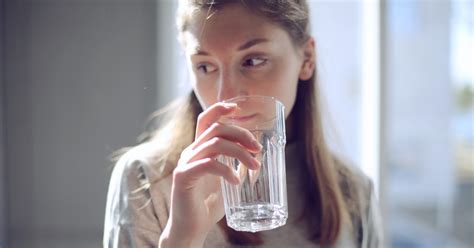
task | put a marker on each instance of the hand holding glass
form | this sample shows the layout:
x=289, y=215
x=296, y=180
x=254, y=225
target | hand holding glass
x=259, y=202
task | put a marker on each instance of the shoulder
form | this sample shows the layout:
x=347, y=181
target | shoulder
x=140, y=172
x=140, y=162
x=137, y=208
x=358, y=192
x=353, y=182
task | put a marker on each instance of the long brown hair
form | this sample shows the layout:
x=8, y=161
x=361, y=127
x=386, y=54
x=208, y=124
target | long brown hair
x=325, y=209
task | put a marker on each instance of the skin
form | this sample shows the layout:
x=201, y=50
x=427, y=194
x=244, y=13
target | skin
x=232, y=53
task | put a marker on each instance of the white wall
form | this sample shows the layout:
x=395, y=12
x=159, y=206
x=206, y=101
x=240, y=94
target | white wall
x=79, y=83
x=336, y=26
x=172, y=73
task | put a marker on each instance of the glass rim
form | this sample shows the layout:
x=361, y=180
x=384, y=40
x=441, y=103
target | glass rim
x=264, y=98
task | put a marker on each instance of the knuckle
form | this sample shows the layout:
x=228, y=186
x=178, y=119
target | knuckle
x=216, y=126
x=178, y=174
x=184, y=152
x=181, y=160
x=216, y=141
x=184, y=156
x=200, y=117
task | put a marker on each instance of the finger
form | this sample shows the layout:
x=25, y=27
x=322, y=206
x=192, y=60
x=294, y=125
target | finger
x=211, y=115
x=232, y=133
x=254, y=174
x=242, y=172
x=202, y=167
x=219, y=146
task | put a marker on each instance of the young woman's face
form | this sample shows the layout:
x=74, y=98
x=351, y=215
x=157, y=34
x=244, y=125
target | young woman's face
x=234, y=52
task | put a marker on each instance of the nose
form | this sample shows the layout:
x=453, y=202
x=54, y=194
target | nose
x=229, y=86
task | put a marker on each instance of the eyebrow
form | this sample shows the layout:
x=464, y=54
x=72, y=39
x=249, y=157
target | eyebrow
x=251, y=43
x=246, y=45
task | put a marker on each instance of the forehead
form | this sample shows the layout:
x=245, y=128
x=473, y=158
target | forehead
x=228, y=27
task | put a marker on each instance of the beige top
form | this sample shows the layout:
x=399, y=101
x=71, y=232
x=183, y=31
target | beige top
x=137, y=212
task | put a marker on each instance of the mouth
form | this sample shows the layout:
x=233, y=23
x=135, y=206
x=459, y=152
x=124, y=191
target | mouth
x=242, y=118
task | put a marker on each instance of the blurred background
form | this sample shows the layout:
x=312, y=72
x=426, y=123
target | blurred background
x=78, y=79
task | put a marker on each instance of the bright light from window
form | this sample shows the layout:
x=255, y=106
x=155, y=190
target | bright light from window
x=370, y=126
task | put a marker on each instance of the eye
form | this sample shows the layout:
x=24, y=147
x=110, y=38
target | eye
x=254, y=61
x=205, y=68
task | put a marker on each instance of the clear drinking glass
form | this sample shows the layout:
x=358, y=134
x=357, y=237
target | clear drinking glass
x=259, y=202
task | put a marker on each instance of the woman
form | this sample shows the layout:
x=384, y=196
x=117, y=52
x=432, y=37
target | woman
x=166, y=191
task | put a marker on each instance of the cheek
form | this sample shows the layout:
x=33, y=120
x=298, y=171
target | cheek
x=288, y=98
x=283, y=82
x=204, y=95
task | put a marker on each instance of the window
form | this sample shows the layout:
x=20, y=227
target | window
x=429, y=123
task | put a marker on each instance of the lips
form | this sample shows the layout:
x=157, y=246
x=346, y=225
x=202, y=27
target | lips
x=243, y=118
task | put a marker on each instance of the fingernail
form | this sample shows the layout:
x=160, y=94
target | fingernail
x=256, y=163
x=257, y=144
x=230, y=105
x=236, y=178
